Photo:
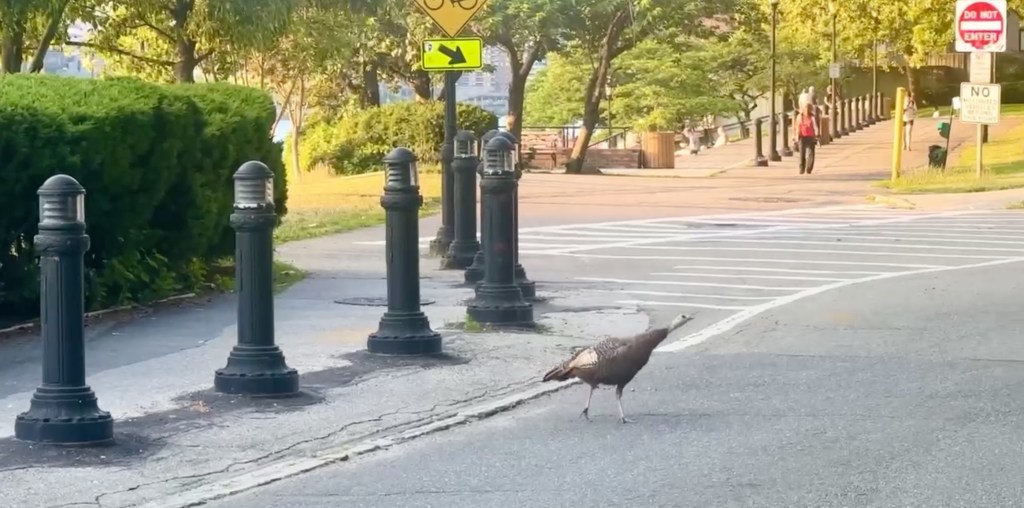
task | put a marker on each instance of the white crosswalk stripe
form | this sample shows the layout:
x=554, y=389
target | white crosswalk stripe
x=738, y=265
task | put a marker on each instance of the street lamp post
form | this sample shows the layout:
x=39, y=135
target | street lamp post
x=834, y=108
x=772, y=117
x=873, y=106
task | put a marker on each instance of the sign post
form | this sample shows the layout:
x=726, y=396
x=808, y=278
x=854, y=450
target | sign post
x=980, y=104
x=980, y=26
x=449, y=56
x=980, y=29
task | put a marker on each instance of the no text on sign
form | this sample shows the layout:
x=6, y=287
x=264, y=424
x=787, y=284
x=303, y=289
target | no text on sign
x=451, y=16
x=980, y=103
x=980, y=25
x=452, y=54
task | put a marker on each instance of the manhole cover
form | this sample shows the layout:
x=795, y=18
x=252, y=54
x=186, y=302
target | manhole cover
x=770, y=200
x=373, y=302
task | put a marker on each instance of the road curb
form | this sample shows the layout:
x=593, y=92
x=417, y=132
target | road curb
x=891, y=201
x=293, y=466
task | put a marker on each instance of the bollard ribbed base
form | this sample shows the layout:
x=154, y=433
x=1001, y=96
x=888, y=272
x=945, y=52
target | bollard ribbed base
x=258, y=371
x=475, y=272
x=462, y=253
x=404, y=333
x=527, y=287
x=761, y=161
x=501, y=305
x=65, y=416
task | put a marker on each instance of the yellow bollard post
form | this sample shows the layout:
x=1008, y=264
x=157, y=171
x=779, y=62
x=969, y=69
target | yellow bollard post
x=897, y=133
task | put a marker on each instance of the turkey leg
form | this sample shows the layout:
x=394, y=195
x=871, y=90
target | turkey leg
x=618, y=398
x=586, y=409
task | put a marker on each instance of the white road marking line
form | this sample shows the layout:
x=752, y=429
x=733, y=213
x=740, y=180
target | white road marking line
x=684, y=283
x=913, y=228
x=749, y=260
x=898, y=236
x=575, y=236
x=732, y=321
x=767, y=222
x=684, y=295
x=682, y=304
x=818, y=251
x=865, y=244
x=620, y=235
x=780, y=270
x=747, y=276
x=749, y=232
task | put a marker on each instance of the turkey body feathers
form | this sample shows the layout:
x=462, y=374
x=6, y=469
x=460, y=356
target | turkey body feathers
x=613, y=361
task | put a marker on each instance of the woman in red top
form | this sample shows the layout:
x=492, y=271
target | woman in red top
x=805, y=135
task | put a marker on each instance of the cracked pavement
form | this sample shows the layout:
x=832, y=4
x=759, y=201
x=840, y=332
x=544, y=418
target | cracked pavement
x=815, y=404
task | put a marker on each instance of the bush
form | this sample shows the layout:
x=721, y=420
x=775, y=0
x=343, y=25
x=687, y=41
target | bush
x=156, y=162
x=357, y=143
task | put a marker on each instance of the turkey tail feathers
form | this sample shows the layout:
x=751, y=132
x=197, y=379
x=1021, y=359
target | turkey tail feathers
x=560, y=373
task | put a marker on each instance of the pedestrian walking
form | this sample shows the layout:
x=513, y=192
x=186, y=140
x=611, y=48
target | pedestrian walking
x=805, y=136
x=909, y=113
x=692, y=138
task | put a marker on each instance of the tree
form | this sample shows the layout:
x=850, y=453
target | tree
x=739, y=65
x=527, y=30
x=662, y=86
x=168, y=40
x=605, y=29
x=31, y=25
x=553, y=93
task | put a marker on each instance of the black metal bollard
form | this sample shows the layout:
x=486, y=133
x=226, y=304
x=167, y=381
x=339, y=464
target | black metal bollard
x=844, y=113
x=833, y=119
x=870, y=108
x=446, y=233
x=858, y=119
x=256, y=364
x=786, y=150
x=526, y=286
x=759, y=158
x=475, y=272
x=64, y=409
x=404, y=329
x=465, y=245
x=498, y=299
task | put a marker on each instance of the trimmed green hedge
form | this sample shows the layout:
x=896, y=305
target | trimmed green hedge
x=357, y=142
x=156, y=162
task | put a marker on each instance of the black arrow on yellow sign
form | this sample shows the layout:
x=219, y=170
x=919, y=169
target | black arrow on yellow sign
x=455, y=56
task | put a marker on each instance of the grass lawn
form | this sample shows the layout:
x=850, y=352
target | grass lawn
x=320, y=204
x=1003, y=159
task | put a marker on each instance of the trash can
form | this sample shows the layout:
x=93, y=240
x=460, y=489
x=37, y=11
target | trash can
x=936, y=156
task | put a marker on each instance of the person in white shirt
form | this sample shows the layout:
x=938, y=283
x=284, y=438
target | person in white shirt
x=909, y=113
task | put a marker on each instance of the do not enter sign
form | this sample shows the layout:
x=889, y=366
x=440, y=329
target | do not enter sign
x=981, y=25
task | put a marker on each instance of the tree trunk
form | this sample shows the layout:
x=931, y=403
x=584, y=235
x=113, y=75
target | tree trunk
x=185, y=68
x=440, y=95
x=610, y=48
x=56, y=16
x=295, y=113
x=909, y=70
x=371, y=85
x=12, y=47
x=421, y=86
x=516, y=105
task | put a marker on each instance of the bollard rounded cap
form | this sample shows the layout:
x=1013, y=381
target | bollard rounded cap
x=61, y=200
x=399, y=155
x=401, y=170
x=489, y=135
x=509, y=136
x=254, y=185
x=498, y=156
x=465, y=144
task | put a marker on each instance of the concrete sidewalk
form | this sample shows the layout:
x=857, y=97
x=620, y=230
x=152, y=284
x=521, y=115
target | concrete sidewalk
x=178, y=442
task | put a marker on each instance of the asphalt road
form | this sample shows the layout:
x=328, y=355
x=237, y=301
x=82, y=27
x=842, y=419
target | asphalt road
x=894, y=382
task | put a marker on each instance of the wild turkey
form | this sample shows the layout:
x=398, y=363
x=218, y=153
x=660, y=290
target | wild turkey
x=613, y=362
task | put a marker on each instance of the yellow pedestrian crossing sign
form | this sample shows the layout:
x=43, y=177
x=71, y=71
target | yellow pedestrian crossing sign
x=466, y=53
x=451, y=16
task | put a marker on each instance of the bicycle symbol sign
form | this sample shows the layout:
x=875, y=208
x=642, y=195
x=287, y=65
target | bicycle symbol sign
x=451, y=16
